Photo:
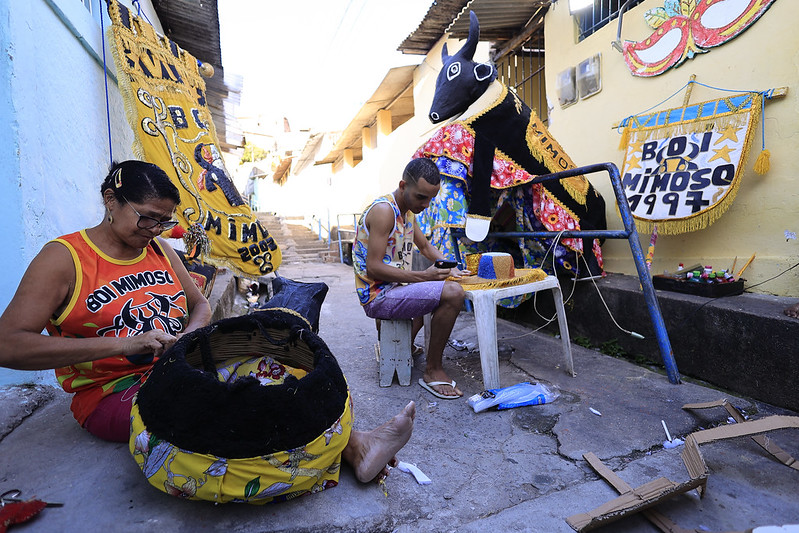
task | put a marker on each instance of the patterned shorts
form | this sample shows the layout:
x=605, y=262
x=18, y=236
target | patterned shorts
x=406, y=301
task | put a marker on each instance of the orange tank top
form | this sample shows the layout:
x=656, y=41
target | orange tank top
x=115, y=298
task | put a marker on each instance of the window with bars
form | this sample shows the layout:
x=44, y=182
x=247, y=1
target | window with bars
x=522, y=71
x=602, y=12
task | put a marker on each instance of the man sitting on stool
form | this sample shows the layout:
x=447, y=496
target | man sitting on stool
x=388, y=289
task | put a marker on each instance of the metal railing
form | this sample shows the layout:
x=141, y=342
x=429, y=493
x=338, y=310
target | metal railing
x=339, y=231
x=629, y=232
x=320, y=229
x=600, y=14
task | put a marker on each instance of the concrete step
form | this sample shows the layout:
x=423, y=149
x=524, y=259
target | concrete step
x=305, y=241
x=322, y=245
x=301, y=236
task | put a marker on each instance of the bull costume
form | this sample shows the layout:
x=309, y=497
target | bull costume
x=487, y=161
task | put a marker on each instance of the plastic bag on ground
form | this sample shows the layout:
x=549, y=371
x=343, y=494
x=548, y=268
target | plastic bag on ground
x=525, y=393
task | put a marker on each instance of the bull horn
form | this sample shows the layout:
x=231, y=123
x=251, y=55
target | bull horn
x=470, y=47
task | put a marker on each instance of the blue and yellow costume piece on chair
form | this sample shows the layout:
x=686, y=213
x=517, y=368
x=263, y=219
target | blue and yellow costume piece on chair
x=249, y=409
x=495, y=270
x=165, y=102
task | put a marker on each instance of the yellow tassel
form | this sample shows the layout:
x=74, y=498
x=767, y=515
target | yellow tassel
x=625, y=138
x=763, y=164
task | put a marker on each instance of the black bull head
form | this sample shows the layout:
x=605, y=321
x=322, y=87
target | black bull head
x=461, y=80
x=505, y=126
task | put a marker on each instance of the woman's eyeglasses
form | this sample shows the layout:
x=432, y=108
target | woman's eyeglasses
x=149, y=222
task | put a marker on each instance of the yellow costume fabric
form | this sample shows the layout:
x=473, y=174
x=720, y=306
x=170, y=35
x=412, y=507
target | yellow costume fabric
x=276, y=477
x=164, y=98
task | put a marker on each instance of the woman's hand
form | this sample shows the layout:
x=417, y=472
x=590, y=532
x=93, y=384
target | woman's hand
x=154, y=341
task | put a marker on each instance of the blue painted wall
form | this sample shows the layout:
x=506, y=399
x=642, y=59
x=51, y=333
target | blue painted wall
x=54, y=133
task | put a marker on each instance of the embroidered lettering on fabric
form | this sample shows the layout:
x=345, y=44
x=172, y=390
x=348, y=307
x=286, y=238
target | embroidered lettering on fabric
x=120, y=286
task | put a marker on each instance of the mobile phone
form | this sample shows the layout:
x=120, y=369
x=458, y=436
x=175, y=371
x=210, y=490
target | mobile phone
x=441, y=263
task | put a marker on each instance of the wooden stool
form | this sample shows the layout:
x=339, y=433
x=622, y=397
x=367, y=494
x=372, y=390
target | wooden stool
x=393, y=350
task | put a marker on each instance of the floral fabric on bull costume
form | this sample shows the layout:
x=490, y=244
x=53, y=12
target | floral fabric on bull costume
x=487, y=162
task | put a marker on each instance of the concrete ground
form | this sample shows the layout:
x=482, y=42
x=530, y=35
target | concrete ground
x=514, y=470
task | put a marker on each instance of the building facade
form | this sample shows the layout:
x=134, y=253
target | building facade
x=762, y=219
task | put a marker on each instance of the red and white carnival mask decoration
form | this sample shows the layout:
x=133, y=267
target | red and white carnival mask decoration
x=684, y=28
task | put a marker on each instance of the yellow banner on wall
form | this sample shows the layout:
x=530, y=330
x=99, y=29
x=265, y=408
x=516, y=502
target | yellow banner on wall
x=164, y=98
x=682, y=167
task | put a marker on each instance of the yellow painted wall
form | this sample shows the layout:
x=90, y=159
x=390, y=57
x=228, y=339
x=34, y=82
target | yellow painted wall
x=766, y=55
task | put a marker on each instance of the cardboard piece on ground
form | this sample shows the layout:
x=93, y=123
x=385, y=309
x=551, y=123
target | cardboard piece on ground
x=767, y=444
x=692, y=457
x=659, y=520
x=632, y=501
x=640, y=499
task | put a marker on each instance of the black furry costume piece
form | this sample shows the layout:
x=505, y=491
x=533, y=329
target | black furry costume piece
x=184, y=403
x=305, y=298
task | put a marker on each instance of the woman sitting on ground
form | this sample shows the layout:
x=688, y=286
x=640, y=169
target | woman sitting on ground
x=113, y=298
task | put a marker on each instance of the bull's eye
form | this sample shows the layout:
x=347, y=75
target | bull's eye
x=454, y=70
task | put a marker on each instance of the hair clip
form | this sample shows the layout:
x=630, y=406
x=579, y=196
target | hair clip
x=118, y=178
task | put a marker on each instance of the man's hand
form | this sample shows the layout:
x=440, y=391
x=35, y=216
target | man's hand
x=458, y=273
x=439, y=274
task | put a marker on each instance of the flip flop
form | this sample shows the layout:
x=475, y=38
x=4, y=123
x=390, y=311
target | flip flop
x=417, y=350
x=429, y=388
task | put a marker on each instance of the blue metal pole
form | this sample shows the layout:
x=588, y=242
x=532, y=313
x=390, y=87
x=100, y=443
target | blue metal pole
x=652, y=303
x=650, y=297
x=340, y=249
x=629, y=233
x=593, y=234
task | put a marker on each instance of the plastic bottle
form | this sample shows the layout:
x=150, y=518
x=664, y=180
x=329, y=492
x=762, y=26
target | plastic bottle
x=525, y=393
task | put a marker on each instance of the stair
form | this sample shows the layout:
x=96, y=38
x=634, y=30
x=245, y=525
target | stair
x=298, y=244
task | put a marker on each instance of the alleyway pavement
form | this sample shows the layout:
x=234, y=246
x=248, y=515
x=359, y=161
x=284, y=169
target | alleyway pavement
x=519, y=469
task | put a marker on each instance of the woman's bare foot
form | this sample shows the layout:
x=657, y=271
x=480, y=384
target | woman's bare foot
x=368, y=452
x=792, y=311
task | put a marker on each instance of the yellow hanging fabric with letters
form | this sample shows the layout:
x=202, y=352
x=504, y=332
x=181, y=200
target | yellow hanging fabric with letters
x=164, y=98
x=682, y=167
